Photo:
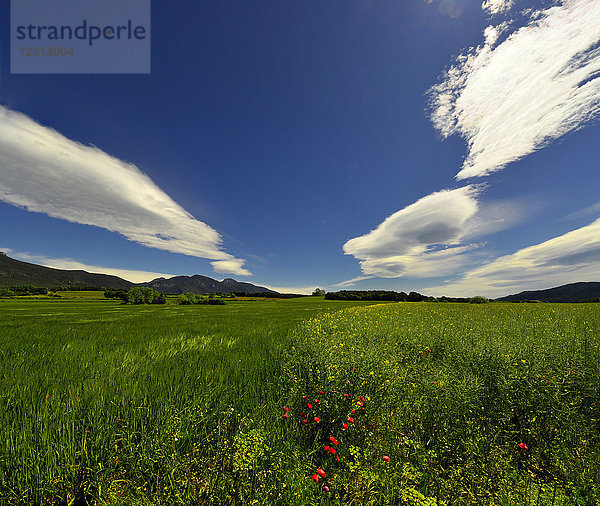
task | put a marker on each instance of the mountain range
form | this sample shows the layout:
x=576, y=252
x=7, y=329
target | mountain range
x=573, y=292
x=15, y=272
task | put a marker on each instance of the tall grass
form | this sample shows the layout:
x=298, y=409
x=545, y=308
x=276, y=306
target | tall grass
x=100, y=401
x=103, y=403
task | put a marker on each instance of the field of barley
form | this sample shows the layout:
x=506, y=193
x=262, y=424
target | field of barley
x=300, y=401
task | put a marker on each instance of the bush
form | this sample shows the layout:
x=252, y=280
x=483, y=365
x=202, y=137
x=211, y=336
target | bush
x=478, y=299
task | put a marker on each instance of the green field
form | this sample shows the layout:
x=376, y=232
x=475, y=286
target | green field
x=116, y=404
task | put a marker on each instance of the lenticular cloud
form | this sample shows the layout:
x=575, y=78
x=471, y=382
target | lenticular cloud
x=43, y=171
x=539, y=83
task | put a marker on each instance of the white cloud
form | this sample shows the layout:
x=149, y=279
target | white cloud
x=351, y=282
x=582, y=213
x=574, y=256
x=302, y=289
x=420, y=240
x=43, y=171
x=541, y=82
x=69, y=264
x=233, y=266
x=496, y=6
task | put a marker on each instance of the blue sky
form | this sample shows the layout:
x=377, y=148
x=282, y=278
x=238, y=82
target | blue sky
x=442, y=146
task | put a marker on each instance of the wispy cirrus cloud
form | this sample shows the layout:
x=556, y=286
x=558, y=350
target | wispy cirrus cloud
x=507, y=98
x=43, y=171
x=421, y=240
x=571, y=257
x=541, y=82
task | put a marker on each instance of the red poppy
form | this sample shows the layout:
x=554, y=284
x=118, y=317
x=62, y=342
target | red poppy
x=315, y=478
x=333, y=440
x=286, y=409
x=362, y=398
x=332, y=451
x=309, y=405
x=352, y=411
x=321, y=473
x=286, y=415
x=317, y=419
x=317, y=401
x=345, y=425
x=347, y=396
x=302, y=415
x=386, y=458
x=321, y=392
x=304, y=396
x=325, y=488
x=523, y=446
x=305, y=421
x=326, y=448
x=350, y=419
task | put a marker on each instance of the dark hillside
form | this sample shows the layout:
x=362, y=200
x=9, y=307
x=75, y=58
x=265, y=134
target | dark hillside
x=573, y=292
x=15, y=272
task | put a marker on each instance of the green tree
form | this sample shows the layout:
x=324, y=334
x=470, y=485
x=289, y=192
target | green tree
x=478, y=299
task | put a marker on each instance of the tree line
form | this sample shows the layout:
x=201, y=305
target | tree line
x=137, y=295
x=15, y=290
x=391, y=296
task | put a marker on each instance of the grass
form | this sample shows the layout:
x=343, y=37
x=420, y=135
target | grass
x=111, y=404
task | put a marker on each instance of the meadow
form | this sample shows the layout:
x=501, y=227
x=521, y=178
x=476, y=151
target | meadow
x=421, y=403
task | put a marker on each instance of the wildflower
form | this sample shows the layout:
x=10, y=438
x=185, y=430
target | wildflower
x=362, y=398
x=286, y=415
x=325, y=488
x=315, y=478
x=337, y=457
x=321, y=473
x=317, y=419
x=317, y=401
x=347, y=396
x=523, y=446
x=353, y=411
x=304, y=397
x=302, y=415
x=345, y=425
x=333, y=440
x=309, y=405
x=350, y=419
x=326, y=448
x=360, y=404
x=386, y=458
x=321, y=392
x=332, y=451
x=305, y=421
x=286, y=409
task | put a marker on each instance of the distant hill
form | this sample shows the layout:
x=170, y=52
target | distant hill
x=573, y=292
x=203, y=284
x=15, y=272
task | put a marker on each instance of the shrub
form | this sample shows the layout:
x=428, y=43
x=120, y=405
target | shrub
x=478, y=299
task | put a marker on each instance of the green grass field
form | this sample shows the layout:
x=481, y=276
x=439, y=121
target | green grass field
x=111, y=404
